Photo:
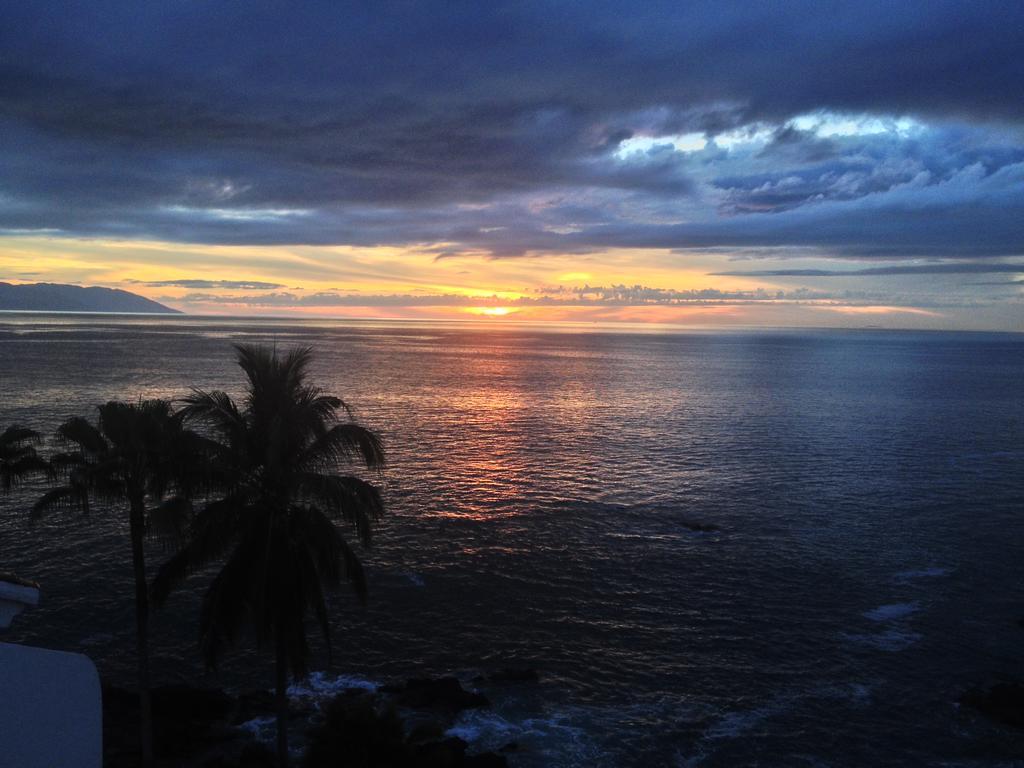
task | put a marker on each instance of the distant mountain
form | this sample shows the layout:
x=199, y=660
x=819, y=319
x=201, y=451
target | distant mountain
x=54, y=297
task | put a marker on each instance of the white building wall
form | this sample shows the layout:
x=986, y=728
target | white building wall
x=50, y=709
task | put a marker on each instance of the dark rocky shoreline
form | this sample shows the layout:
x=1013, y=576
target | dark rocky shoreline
x=398, y=725
x=1002, y=703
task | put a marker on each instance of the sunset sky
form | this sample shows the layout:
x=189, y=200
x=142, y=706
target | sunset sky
x=810, y=164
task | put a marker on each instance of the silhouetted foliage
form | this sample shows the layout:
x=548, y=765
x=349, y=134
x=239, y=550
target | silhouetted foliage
x=355, y=734
x=138, y=455
x=275, y=461
x=18, y=457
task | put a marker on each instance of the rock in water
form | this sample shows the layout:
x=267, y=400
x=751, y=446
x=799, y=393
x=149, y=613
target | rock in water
x=514, y=675
x=355, y=731
x=361, y=729
x=1003, y=702
x=442, y=693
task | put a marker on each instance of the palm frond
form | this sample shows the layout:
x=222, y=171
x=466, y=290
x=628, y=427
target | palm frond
x=13, y=471
x=335, y=560
x=213, y=409
x=343, y=443
x=79, y=432
x=64, y=497
x=223, y=609
x=168, y=520
x=308, y=585
x=212, y=531
x=352, y=499
x=16, y=435
x=61, y=464
x=270, y=374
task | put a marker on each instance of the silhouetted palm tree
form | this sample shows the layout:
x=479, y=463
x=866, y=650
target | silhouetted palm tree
x=18, y=457
x=272, y=523
x=139, y=455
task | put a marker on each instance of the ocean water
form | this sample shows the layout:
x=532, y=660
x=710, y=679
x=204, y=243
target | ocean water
x=862, y=494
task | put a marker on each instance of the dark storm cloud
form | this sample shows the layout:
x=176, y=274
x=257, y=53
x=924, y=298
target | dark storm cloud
x=496, y=127
x=790, y=144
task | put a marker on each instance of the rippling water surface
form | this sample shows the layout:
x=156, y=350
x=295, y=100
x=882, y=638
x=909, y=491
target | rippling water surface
x=865, y=492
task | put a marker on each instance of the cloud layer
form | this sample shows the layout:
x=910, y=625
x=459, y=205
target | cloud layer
x=855, y=129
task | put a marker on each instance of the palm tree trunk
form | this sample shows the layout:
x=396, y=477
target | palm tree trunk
x=137, y=523
x=281, y=700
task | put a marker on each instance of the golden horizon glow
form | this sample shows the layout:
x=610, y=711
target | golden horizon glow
x=414, y=283
x=491, y=311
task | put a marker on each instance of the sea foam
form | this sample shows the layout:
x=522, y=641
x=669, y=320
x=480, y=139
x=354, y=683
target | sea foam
x=890, y=640
x=320, y=685
x=891, y=612
x=924, y=573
